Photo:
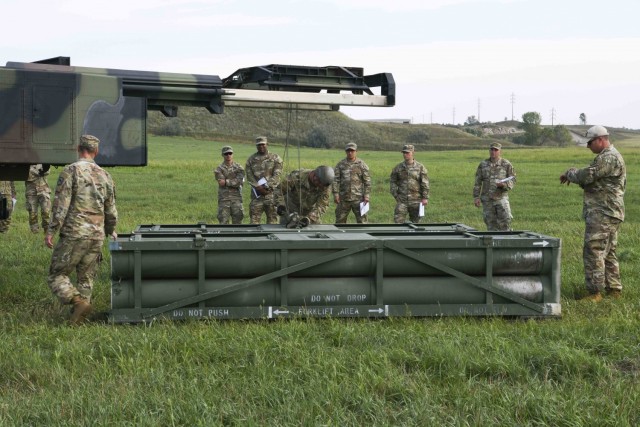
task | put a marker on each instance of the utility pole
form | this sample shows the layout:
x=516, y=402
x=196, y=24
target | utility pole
x=478, y=110
x=454, y=116
x=553, y=115
x=513, y=101
x=431, y=117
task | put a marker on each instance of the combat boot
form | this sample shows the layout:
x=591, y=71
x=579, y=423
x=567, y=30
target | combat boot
x=614, y=293
x=81, y=309
x=597, y=297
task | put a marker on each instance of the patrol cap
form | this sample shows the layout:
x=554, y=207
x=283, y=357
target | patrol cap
x=89, y=141
x=496, y=145
x=325, y=174
x=408, y=148
x=595, y=132
x=351, y=146
x=227, y=149
x=261, y=140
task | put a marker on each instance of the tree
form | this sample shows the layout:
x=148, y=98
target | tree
x=532, y=129
x=471, y=120
x=561, y=135
x=583, y=119
x=317, y=138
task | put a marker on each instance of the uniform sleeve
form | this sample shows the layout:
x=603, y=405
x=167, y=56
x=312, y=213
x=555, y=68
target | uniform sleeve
x=319, y=207
x=13, y=189
x=288, y=183
x=393, y=183
x=218, y=173
x=110, y=211
x=424, y=183
x=600, y=168
x=251, y=178
x=366, y=180
x=238, y=179
x=510, y=172
x=335, y=186
x=477, y=187
x=274, y=180
x=60, y=206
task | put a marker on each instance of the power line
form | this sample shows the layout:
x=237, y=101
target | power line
x=513, y=101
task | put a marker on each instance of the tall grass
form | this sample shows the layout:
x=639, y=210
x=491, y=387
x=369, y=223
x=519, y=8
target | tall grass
x=581, y=370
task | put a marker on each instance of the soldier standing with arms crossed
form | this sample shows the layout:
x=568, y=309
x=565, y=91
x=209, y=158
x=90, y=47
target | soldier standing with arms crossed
x=263, y=174
x=38, y=197
x=84, y=211
x=495, y=176
x=351, y=186
x=410, y=188
x=604, y=182
x=230, y=177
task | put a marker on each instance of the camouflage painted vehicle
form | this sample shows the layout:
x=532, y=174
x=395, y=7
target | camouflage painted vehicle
x=45, y=106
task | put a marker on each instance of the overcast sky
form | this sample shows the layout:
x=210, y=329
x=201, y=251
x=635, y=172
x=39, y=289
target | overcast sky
x=450, y=58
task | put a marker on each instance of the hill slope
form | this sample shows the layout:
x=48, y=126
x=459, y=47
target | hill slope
x=311, y=128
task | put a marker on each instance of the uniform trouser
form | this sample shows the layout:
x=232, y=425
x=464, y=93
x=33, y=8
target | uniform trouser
x=230, y=210
x=344, y=207
x=404, y=209
x=601, y=269
x=497, y=214
x=4, y=223
x=35, y=201
x=79, y=255
x=267, y=205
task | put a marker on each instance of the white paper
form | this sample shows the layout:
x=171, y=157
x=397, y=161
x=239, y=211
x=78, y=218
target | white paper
x=364, y=208
x=506, y=179
x=14, y=200
x=262, y=181
x=421, y=210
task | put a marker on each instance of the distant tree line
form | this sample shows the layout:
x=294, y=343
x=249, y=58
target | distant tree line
x=535, y=134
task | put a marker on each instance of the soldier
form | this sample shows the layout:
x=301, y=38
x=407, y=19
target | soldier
x=38, y=197
x=603, y=182
x=84, y=211
x=306, y=193
x=7, y=194
x=263, y=174
x=410, y=188
x=495, y=176
x=351, y=186
x=230, y=177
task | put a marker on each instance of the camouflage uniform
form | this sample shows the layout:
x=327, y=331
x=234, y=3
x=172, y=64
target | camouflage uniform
x=8, y=191
x=352, y=183
x=230, y=195
x=409, y=186
x=304, y=198
x=604, y=182
x=84, y=211
x=496, y=210
x=269, y=167
x=38, y=196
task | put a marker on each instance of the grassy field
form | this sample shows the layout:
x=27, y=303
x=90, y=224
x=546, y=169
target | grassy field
x=581, y=370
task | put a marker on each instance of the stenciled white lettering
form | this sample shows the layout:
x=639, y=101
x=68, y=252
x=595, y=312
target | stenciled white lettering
x=216, y=312
x=348, y=311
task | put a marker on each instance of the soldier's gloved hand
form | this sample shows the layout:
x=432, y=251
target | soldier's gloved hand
x=292, y=220
x=262, y=190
